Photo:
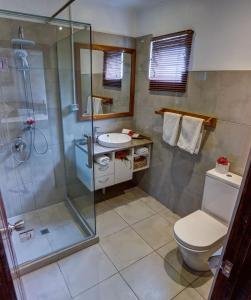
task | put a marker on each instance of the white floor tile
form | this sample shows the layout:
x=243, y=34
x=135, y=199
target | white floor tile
x=113, y=288
x=153, y=203
x=171, y=254
x=86, y=268
x=203, y=285
x=156, y=231
x=102, y=207
x=188, y=294
x=46, y=284
x=63, y=232
x=64, y=236
x=125, y=247
x=134, y=211
x=169, y=215
x=54, y=215
x=152, y=278
x=118, y=201
x=109, y=222
x=37, y=246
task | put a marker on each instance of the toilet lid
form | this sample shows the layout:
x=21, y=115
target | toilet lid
x=199, y=231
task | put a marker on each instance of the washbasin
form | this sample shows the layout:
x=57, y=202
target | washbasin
x=113, y=140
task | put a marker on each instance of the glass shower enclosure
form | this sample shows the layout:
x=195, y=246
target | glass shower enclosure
x=49, y=211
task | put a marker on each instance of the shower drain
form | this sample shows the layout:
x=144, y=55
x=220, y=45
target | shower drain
x=44, y=231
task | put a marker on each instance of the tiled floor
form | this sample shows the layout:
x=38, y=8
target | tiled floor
x=63, y=232
x=136, y=258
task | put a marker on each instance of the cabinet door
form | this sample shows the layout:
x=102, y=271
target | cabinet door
x=100, y=170
x=104, y=181
x=123, y=169
x=84, y=172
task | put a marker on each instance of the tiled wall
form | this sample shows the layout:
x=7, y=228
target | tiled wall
x=40, y=181
x=176, y=178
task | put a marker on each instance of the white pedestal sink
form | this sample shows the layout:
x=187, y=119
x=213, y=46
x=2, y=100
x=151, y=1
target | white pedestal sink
x=113, y=140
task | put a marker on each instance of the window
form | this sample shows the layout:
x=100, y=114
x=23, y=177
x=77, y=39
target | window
x=169, y=61
x=113, y=69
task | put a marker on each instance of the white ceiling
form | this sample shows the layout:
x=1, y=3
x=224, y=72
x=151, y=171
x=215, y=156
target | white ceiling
x=127, y=4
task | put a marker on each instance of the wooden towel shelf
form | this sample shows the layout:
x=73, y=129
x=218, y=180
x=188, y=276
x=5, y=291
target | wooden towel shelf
x=105, y=100
x=208, y=121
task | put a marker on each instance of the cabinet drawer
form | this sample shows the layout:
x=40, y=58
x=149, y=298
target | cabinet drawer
x=104, y=181
x=100, y=170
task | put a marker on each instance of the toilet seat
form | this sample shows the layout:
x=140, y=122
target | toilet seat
x=199, y=231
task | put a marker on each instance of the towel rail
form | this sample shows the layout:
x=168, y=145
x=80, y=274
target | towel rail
x=105, y=100
x=208, y=121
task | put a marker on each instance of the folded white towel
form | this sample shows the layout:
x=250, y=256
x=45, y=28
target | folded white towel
x=191, y=134
x=102, y=160
x=171, y=128
x=142, y=151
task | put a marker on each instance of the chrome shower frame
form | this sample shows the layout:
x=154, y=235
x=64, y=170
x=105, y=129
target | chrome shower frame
x=92, y=239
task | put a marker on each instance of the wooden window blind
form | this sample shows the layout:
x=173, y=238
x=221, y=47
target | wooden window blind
x=169, y=61
x=113, y=69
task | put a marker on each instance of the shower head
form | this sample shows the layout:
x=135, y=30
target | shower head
x=20, y=41
x=22, y=54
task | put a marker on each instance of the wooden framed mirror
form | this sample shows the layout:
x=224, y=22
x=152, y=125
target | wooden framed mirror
x=113, y=81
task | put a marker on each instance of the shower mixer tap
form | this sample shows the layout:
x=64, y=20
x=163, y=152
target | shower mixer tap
x=20, y=145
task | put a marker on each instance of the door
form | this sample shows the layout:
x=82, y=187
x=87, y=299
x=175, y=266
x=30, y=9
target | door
x=233, y=280
x=8, y=263
x=77, y=135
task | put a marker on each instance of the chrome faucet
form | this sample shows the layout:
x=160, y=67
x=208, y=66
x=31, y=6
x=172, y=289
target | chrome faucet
x=96, y=132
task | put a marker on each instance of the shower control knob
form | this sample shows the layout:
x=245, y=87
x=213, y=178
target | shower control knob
x=20, y=145
x=19, y=225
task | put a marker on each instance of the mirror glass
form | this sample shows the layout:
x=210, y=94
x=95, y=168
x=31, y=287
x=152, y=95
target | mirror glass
x=111, y=82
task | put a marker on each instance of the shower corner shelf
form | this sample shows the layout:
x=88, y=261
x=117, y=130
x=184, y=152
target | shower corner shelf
x=39, y=117
x=208, y=120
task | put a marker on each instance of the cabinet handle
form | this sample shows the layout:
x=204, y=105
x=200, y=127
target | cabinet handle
x=103, y=168
x=103, y=181
x=89, y=151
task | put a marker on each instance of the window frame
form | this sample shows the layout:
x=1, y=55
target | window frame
x=177, y=39
x=112, y=82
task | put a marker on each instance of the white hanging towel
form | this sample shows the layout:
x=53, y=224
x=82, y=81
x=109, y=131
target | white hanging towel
x=89, y=105
x=97, y=106
x=171, y=126
x=191, y=134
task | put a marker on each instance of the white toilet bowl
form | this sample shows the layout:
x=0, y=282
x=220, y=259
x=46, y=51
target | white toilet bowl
x=198, y=236
x=201, y=233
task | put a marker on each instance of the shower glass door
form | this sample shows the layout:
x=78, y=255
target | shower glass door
x=77, y=136
x=45, y=181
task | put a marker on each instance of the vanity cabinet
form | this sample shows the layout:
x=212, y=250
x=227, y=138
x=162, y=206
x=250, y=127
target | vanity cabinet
x=116, y=171
x=104, y=181
x=123, y=168
x=104, y=175
x=84, y=173
x=100, y=170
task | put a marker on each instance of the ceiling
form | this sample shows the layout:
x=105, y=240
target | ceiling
x=127, y=4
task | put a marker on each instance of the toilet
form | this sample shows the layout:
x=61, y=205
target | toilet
x=202, y=232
